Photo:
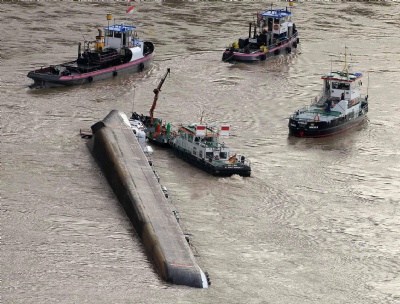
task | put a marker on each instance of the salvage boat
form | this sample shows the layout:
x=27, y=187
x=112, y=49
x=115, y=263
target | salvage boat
x=118, y=52
x=272, y=34
x=199, y=144
x=339, y=107
x=156, y=131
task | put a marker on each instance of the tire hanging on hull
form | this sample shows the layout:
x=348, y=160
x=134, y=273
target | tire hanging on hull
x=141, y=67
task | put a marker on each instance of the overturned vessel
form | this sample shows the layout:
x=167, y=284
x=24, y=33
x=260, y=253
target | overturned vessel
x=127, y=169
x=199, y=144
x=339, y=107
x=272, y=34
x=118, y=52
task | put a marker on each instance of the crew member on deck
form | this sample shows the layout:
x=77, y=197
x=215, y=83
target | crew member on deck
x=342, y=96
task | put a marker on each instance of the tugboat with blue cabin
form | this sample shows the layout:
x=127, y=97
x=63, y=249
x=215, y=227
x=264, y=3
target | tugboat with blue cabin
x=118, y=52
x=339, y=107
x=272, y=34
x=199, y=144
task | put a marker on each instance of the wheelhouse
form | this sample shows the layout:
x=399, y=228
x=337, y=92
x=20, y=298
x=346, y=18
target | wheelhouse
x=342, y=85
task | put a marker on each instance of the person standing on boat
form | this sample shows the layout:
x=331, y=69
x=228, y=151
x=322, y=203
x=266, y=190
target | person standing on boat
x=328, y=106
x=342, y=96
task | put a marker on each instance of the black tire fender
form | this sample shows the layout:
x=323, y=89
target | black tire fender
x=141, y=67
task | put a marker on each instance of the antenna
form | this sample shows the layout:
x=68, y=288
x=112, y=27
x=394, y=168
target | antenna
x=345, y=70
x=201, y=117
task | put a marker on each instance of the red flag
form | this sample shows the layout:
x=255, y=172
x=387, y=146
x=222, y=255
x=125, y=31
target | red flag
x=130, y=10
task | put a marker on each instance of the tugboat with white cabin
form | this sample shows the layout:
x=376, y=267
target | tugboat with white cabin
x=118, y=52
x=199, y=144
x=272, y=34
x=339, y=107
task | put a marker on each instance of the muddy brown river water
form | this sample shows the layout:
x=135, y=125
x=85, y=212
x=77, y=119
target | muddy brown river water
x=317, y=222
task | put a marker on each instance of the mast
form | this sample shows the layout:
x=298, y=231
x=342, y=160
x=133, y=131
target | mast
x=156, y=92
x=345, y=70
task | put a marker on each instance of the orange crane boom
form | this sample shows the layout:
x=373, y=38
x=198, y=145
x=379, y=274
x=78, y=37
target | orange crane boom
x=156, y=92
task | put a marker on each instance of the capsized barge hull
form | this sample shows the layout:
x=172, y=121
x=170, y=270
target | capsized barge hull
x=116, y=150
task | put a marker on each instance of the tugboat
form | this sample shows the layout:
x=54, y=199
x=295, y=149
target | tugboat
x=156, y=131
x=199, y=144
x=273, y=33
x=338, y=108
x=119, y=51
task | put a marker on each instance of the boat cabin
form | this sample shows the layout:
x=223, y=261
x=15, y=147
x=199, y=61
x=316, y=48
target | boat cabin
x=342, y=86
x=276, y=22
x=203, y=141
x=118, y=36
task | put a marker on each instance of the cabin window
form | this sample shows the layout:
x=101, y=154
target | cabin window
x=190, y=138
x=196, y=139
x=201, y=153
x=340, y=86
x=117, y=35
x=223, y=155
x=194, y=151
x=209, y=155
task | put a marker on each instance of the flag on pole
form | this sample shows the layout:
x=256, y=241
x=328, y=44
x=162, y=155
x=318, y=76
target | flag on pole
x=129, y=10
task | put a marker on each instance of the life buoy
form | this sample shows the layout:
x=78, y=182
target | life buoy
x=276, y=27
x=141, y=66
x=316, y=117
x=115, y=73
x=90, y=79
x=352, y=102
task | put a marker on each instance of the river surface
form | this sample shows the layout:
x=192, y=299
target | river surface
x=317, y=222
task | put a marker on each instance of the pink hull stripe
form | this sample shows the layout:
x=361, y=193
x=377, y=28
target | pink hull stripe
x=120, y=67
x=262, y=53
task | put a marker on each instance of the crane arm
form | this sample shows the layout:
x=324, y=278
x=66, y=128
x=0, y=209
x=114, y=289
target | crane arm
x=156, y=92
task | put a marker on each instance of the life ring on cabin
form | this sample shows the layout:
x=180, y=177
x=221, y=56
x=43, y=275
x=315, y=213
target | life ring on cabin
x=352, y=102
x=141, y=66
x=276, y=27
x=316, y=117
x=90, y=79
x=115, y=73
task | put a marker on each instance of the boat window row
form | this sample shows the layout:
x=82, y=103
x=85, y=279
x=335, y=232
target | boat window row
x=340, y=86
